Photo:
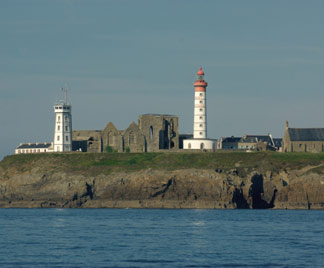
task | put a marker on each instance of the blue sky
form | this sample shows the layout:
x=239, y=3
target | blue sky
x=263, y=60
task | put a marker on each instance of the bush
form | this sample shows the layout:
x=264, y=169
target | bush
x=109, y=149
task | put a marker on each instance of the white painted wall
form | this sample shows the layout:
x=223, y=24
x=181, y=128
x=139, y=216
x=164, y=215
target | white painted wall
x=197, y=144
x=63, y=128
x=200, y=116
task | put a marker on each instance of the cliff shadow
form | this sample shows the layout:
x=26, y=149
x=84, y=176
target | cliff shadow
x=256, y=192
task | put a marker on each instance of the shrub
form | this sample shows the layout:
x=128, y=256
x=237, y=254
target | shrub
x=109, y=149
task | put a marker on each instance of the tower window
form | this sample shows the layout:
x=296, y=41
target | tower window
x=202, y=146
x=200, y=125
x=200, y=133
x=58, y=138
x=200, y=110
x=201, y=101
x=58, y=118
x=66, y=138
x=58, y=127
x=200, y=117
x=66, y=128
x=65, y=118
x=200, y=94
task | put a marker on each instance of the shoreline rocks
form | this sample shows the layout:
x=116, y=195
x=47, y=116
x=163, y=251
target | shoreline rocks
x=189, y=188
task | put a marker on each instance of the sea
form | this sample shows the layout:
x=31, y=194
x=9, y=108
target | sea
x=161, y=238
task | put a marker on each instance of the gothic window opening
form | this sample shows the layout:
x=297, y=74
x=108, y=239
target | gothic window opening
x=131, y=138
x=151, y=132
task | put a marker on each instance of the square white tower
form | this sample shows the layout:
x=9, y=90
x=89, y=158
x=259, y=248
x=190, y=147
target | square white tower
x=63, y=126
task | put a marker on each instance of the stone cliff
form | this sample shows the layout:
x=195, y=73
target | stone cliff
x=40, y=183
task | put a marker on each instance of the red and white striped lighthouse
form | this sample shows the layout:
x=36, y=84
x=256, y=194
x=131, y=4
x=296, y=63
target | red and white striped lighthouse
x=200, y=140
x=200, y=114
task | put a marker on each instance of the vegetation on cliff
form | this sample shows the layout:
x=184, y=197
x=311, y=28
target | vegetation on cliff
x=95, y=163
x=164, y=180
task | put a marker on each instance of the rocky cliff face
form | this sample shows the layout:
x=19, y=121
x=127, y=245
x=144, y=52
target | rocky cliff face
x=190, y=188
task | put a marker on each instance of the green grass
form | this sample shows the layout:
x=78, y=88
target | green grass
x=96, y=163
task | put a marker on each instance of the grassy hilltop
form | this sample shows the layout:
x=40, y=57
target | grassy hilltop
x=95, y=163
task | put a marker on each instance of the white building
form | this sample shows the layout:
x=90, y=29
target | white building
x=32, y=148
x=63, y=126
x=200, y=140
x=62, y=132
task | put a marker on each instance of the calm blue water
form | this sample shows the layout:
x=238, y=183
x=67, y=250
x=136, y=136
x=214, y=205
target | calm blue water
x=160, y=238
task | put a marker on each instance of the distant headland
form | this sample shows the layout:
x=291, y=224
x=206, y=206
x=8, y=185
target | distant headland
x=221, y=180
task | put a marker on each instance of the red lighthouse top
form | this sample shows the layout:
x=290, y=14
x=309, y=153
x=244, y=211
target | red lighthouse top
x=200, y=84
x=200, y=72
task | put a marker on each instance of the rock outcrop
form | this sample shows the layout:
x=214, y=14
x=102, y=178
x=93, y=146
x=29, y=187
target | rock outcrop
x=185, y=188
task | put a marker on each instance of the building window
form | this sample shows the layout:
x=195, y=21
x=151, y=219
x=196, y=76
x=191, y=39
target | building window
x=200, y=133
x=189, y=145
x=202, y=145
x=201, y=101
x=66, y=128
x=58, y=127
x=58, y=138
x=66, y=138
x=200, y=117
x=200, y=110
x=65, y=118
x=44, y=150
x=200, y=125
x=300, y=145
x=200, y=94
x=58, y=118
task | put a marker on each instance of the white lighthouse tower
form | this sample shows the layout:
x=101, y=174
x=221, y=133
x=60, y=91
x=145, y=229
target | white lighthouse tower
x=63, y=125
x=200, y=114
x=200, y=140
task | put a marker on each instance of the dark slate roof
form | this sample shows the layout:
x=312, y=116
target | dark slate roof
x=256, y=138
x=34, y=145
x=185, y=136
x=231, y=139
x=306, y=134
x=160, y=115
x=277, y=142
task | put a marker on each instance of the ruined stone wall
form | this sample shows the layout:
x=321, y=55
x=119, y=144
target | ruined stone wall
x=160, y=131
x=134, y=139
x=113, y=137
x=87, y=140
x=153, y=133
